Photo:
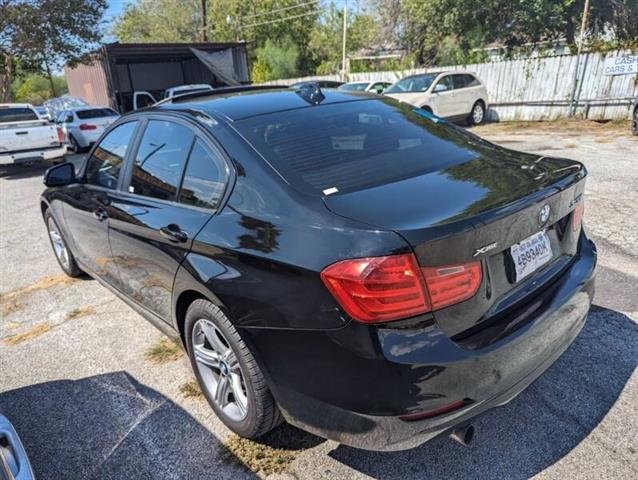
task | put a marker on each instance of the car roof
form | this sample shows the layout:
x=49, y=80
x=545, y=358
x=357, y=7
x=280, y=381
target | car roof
x=236, y=106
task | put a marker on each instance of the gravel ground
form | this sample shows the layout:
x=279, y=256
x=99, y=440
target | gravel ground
x=88, y=403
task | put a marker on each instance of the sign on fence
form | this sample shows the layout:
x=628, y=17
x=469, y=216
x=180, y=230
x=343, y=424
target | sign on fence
x=622, y=65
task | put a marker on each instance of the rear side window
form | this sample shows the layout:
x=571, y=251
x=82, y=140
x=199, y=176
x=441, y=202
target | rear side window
x=105, y=164
x=344, y=147
x=205, y=178
x=460, y=81
x=160, y=159
x=95, y=113
x=17, y=114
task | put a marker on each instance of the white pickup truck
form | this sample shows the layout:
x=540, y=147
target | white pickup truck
x=25, y=137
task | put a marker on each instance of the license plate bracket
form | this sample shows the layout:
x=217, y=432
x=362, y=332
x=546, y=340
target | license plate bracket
x=530, y=254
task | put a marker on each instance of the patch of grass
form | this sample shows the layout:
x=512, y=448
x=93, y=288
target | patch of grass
x=80, y=312
x=9, y=308
x=259, y=457
x=191, y=390
x=27, y=335
x=163, y=351
x=575, y=125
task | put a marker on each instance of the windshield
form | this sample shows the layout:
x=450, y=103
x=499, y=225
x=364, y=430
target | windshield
x=418, y=83
x=349, y=146
x=17, y=114
x=353, y=87
x=95, y=113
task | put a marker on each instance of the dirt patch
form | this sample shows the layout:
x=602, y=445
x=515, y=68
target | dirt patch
x=7, y=308
x=27, y=335
x=41, y=284
x=80, y=312
x=191, y=390
x=565, y=125
x=163, y=351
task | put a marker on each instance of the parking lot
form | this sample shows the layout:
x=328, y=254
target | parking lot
x=95, y=393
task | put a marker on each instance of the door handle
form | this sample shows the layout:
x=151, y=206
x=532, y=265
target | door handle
x=173, y=233
x=100, y=214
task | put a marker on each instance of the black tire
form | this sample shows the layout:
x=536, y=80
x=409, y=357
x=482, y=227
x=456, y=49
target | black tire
x=634, y=121
x=72, y=268
x=262, y=412
x=75, y=146
x=477, y=114
x=427, y=109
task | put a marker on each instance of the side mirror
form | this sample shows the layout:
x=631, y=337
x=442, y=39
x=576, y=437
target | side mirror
x=60, y=175
x=440, y=87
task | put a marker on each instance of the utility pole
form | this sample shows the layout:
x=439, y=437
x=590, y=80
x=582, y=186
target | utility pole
x=203, y=36
x=583, y=26
x=344, y=60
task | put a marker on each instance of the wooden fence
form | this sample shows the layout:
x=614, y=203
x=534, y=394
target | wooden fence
x=536, y=88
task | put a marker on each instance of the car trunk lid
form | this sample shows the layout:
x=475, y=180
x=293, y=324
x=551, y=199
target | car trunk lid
x=476, y=211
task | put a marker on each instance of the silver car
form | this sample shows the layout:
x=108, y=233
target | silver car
x=82, y=126
x=457, y=96
x=378, y=87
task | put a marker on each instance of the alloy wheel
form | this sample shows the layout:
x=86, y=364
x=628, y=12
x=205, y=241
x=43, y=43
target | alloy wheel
x=59, y=247
x=478, y=113
x=219, y=370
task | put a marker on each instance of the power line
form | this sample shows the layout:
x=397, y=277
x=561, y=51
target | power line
x=277, y=20
x=282, y=9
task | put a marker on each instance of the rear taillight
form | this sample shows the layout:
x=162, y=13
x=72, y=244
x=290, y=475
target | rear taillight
x=87, y=126
x=452, y=284
x=378, y=289
x=60, y=135
x=577, y=215
x=381, y=289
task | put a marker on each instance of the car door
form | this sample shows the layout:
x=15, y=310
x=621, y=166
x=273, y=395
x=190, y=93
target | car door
x=156, y=217
x=89, y=205
x=442, y=100
x=464, y=95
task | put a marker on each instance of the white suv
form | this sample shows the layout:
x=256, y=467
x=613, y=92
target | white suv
x=451, y=95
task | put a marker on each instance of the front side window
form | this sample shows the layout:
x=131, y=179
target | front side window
x=105, y=164
x=160, y=159
x=204, y=179
x=447, y=81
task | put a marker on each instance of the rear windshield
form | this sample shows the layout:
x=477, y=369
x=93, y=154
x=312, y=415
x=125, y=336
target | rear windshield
x=17, y=114
x=95, y=113
x=344, y=147
x=419, y=83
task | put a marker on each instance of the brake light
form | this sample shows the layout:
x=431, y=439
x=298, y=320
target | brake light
x=87, y=126
x=60, y=135
x=452, y=284
x=381, y=289
x=577, y=215
x=378, y=289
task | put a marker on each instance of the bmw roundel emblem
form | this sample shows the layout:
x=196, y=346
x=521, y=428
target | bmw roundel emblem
x=543, y=215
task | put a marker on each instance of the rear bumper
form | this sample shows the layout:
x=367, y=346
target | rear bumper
x=33, y=156
x=353, y=385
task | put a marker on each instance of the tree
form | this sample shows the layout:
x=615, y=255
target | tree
x=159, y=21
x=276, y=60
x=43, y=35
x=35, y=88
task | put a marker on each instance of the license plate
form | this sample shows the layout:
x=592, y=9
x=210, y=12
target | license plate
x=531, y=254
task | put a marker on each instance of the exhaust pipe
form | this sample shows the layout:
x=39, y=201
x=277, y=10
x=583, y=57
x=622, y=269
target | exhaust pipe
x=463, y=435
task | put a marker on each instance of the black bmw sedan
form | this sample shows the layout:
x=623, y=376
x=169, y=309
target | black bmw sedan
x=348, y=263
